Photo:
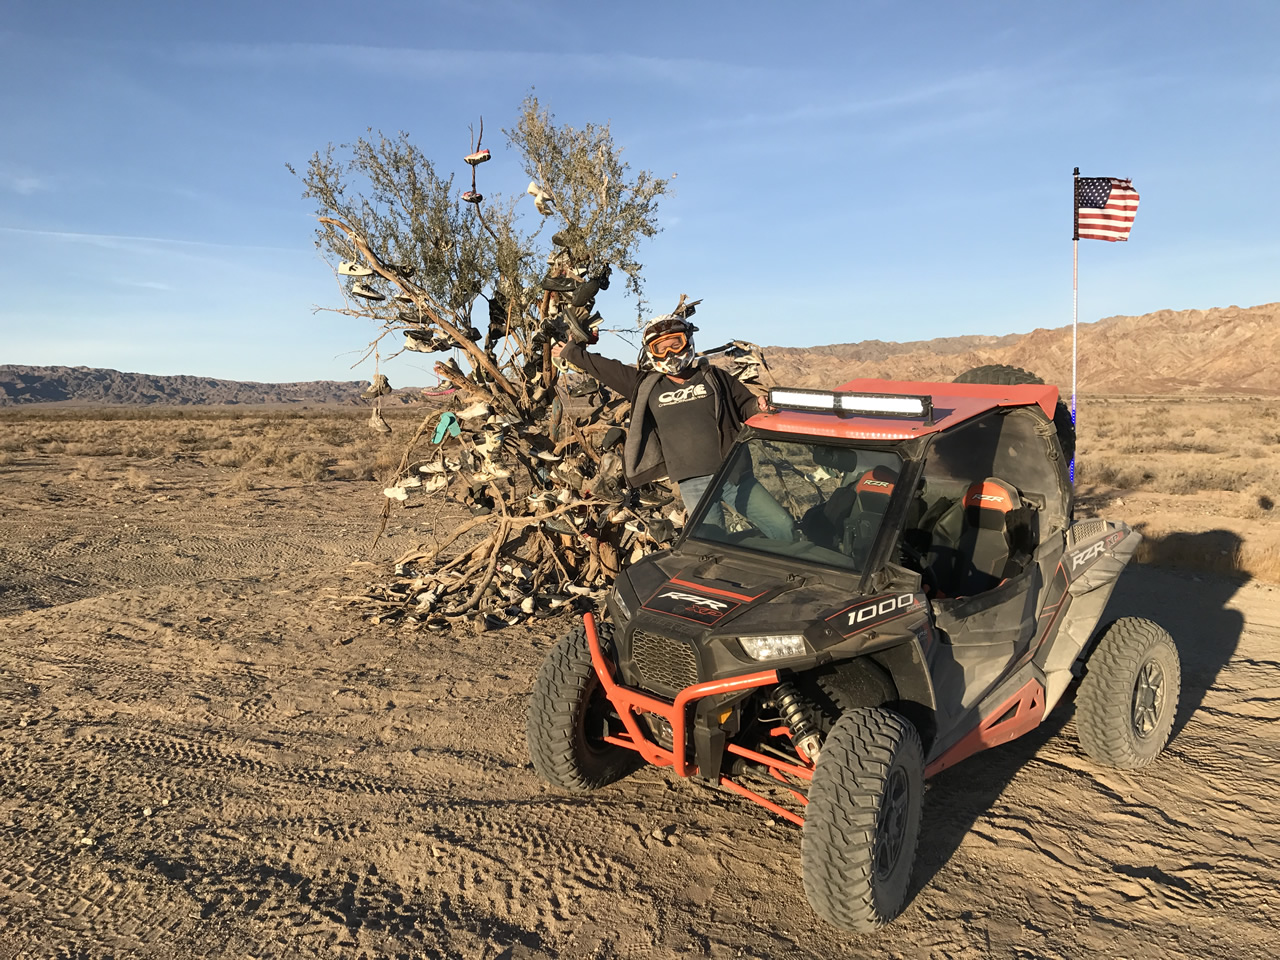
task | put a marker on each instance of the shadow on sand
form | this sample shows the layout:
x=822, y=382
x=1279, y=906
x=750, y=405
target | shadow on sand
x=1193, y=608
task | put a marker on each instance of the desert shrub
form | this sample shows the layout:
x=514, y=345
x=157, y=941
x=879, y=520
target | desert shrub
x=239, y=452
x=268, y=454
x=353, y=471
x=93, y=448
x=333, y=435
x=1106, y=474
x=7, y=459
x=385, y=464
x=1092, y=471
x=89, y=470
x=138, y=450
x=242, y=481
x=308, y=466
x=138, y=481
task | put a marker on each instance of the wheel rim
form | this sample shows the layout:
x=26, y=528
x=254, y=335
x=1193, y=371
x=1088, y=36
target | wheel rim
x=593, y=717
x=891, y=823
x=1148, y=699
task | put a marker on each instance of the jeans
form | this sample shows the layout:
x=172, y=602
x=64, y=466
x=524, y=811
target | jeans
x=746, y=496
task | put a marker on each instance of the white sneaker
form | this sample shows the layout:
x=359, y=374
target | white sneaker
x=542, y=199
x=351, y=268
x=419, y=346
x=396, y=493
x=377, y=424
x=477, y=409
x=358, y=289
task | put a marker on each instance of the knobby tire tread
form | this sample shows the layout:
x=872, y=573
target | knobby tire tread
x=557, y=748
x=1104, y=702
x=838, y=844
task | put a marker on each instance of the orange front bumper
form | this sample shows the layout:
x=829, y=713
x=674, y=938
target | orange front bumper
x=629, y=703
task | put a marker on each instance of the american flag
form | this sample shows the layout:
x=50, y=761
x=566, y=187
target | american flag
x=1105, y=208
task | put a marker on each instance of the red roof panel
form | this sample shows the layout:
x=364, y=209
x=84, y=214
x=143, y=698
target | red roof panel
x=953, y=403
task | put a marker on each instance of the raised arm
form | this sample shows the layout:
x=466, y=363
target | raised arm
x=622, y=377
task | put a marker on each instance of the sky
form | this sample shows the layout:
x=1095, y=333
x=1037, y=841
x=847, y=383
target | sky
x=844, y=172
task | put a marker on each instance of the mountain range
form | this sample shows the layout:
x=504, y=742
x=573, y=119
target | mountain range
x=21, y=384
x=1225, y=350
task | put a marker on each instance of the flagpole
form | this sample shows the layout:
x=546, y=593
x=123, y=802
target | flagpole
x=1075, y=300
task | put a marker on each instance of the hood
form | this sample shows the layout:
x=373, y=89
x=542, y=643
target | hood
x=708, y=595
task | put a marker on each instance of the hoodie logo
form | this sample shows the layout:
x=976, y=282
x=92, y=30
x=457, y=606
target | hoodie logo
x=693, y=392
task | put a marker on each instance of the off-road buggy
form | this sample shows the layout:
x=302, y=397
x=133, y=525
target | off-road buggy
x=925, y=596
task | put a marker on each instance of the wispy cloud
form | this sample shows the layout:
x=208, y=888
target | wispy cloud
x=415, y=62
x=967, y=87
x=143, y=284
x=117, y=241
x=25, y=184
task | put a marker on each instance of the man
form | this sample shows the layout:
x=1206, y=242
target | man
x=685, y=416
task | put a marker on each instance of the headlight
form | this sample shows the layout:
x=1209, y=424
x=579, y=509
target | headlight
x=622, y=604
x=773, y=647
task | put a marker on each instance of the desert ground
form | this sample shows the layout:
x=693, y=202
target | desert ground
x=206, y=751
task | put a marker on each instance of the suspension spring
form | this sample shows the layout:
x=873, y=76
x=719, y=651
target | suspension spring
x=795, y=713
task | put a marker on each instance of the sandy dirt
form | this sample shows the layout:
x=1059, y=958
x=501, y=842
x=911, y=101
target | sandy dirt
x=203, y=754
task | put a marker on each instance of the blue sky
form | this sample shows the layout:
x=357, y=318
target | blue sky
x=851, y=171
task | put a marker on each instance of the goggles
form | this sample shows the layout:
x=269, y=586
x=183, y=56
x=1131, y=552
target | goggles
x=667, y=345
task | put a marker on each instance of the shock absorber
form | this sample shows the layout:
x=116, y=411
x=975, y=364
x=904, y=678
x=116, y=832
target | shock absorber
x=804, y=733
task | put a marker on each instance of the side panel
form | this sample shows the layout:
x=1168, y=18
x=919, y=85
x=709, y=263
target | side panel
x=1084, y=579
x=1009, y=718
x=1073, y=601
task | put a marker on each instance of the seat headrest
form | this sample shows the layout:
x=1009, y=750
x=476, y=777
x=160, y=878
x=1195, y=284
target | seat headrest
x=876, y=482
x=990, y=502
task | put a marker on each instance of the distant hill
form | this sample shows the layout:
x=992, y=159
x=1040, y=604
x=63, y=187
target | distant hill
x=20, y=384
x=1227, y=350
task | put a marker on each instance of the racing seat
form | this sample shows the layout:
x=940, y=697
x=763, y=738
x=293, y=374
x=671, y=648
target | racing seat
x=849, y=518
x=982, y=540
x=872, y=493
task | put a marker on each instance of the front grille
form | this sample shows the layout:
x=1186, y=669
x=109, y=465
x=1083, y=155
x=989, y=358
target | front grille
x=1083, y=530
x=663, y=661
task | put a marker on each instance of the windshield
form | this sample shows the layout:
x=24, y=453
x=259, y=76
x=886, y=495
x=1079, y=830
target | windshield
x=812, y=501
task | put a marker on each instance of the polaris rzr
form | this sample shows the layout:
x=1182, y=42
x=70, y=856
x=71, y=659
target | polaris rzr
x=926, y=596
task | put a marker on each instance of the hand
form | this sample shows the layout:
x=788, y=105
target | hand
x=555, y=351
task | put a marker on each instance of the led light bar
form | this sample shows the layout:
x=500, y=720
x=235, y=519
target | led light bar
x=854, y=404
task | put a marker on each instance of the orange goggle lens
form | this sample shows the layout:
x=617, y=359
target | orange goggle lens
x=668, y=344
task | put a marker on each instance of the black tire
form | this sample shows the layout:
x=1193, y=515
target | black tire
x=1002, y=373
x=1128, y=697
x=841, y=687
x=862, y=823
x=568, y=713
